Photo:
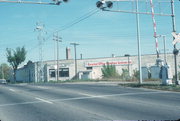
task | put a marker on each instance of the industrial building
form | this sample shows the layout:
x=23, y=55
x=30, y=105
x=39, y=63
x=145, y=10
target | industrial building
x=86, y=68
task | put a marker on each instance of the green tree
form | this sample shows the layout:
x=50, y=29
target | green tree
x=136, y=74
x=15, y=58
x=125, y=74
x=109, y=71
x=5, y=71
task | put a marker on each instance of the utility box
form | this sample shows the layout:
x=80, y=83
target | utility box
x=145, y=72
x=166, y=75
x=155, y=70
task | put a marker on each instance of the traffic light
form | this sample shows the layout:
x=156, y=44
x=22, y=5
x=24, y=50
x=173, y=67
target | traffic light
x=58, y=2
x=104, y=4
x=109, y=4
x=175, y=51
x=65, y=1
x=99, y=4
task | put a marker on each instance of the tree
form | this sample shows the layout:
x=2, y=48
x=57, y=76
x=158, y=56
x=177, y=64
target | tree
x=136, y=74
x=125, y=74
x=5, y=71
x=15, y=58
x=109, y=71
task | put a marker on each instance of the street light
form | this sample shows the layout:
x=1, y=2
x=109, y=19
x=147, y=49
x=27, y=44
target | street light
x=75, y=44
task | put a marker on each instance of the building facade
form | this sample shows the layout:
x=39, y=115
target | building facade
x=86, y=68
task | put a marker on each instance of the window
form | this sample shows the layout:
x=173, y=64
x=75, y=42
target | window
x=52, y=73
x=89, y=68
x=64, y=72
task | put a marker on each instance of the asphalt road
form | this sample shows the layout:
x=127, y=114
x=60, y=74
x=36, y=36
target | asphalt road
x=79, y=102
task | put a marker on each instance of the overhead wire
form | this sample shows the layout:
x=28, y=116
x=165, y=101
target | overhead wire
x=75, y=21
x=72, y=23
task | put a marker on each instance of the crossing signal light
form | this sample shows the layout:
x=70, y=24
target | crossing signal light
x=58, y=2
x=99, y=4
x=103, y=4
x=109, y=4
x=65, y=1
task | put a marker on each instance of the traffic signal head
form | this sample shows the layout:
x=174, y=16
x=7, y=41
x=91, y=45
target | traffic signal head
x=175, y=51
x=99, y=4
x=109, y=4
x=65, y=1
x=103, y=4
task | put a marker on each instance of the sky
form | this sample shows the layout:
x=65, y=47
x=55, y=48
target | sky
x=99, y=35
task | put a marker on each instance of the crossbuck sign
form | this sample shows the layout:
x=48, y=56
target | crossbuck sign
x=177, y=38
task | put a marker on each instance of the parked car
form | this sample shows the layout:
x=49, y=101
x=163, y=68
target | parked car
x=3, y=81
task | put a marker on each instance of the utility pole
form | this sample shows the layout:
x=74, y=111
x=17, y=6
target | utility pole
x=175, y=51
x=40, y=29
x=164, y=43
x=57, y=39
x=75, y=44
x=139, y=42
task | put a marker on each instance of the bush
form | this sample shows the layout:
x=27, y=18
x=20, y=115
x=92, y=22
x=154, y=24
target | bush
x=109, y=71
x=125, y=75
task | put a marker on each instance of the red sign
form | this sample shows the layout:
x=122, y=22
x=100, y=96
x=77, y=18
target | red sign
x=90, y=64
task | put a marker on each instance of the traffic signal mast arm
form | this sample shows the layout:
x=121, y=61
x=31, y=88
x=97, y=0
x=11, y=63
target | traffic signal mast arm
x=55, y=2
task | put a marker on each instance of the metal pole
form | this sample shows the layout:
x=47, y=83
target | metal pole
x=39, y=28
x=31, y=2
x=138, y=40
x=164, y=43
x=57, y=39
x=57, y=60
x=174, y=30
x=128, y=66
x=81, y=56
x=75, y=61
x=75, y=44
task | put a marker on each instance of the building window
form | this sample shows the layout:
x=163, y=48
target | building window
x=52, y=73
x=89, y=68
x=64, y=72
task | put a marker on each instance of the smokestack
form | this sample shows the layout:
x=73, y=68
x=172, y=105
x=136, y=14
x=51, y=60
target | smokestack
x=113, y=56
x=81, y=56
x=68, y=53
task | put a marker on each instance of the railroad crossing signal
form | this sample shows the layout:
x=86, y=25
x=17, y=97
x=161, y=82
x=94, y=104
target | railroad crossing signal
x=176, y=38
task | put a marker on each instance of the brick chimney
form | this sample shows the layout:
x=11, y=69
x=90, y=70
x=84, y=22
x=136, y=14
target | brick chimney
x=68, y=53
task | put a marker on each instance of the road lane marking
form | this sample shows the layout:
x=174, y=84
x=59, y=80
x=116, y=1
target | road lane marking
x=42, y=87
x=12, y=90
x=43, y=100
x=76, y=98
x=85, y=94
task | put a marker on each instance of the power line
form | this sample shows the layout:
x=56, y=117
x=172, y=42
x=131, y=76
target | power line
x=74, y=22
x=78, y=21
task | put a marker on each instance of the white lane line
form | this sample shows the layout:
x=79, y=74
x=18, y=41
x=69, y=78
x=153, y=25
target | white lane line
x=43, y=100
x=103, y=96
x=42, y=87
x=12, y=90
x=85, y=94
x=75, y=98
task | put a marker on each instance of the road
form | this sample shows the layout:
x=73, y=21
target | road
x=79, y=102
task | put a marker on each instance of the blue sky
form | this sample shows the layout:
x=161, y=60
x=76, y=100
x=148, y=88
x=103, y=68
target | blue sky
x=101, y=35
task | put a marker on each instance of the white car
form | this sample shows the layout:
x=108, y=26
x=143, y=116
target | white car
x=3, y=81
